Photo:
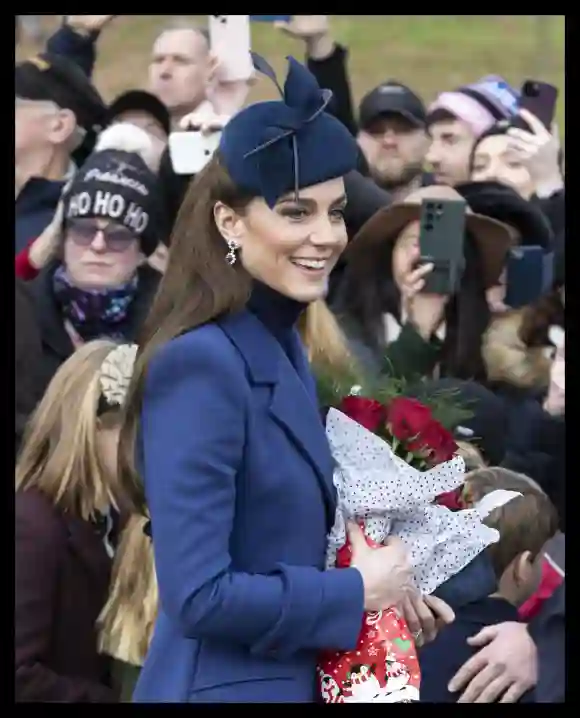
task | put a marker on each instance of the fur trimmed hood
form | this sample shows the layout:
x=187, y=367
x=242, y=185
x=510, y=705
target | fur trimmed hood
x=518, y=346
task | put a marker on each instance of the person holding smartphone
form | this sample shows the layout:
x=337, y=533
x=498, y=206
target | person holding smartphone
x=396, y=324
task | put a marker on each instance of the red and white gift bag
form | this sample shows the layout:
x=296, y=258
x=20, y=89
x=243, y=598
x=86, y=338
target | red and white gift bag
x=383, y=668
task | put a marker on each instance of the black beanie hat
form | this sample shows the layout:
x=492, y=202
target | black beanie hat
x=119, y=186
x=500, y=202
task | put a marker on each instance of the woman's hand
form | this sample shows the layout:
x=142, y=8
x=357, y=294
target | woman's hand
x=505, y=667
x=386, y=572
x=425, y=616
x=538, y=151
x=424, y=311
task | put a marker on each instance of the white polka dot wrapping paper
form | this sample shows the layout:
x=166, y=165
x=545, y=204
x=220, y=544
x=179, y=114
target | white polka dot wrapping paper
x=392, y=498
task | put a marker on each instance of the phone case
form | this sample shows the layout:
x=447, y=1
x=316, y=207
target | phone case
x=270, y=18
x=441, y=242
x=191, y=151
x=541, y=99
x=529, y=274
x=231, y=43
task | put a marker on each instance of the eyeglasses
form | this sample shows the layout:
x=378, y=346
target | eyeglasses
x=83, y=233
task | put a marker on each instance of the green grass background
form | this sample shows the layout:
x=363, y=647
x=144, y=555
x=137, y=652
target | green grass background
x=430, y=53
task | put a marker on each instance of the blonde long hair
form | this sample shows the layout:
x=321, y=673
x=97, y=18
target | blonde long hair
x=126, y=622
x=325, y=342
x=60, y=455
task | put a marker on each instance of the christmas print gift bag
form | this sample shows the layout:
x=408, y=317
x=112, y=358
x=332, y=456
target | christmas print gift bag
x=382, y=669
x=388, y=497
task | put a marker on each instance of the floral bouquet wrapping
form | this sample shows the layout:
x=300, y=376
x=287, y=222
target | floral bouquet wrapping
x=388, y=477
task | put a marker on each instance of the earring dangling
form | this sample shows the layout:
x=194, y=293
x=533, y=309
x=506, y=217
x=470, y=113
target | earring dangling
x=231, y=256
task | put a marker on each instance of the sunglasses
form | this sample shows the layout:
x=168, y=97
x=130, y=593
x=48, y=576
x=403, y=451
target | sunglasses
x=83, y=233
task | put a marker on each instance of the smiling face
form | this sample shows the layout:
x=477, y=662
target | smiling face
x=293, y=247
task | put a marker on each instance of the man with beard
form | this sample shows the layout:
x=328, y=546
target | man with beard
x=393, y=137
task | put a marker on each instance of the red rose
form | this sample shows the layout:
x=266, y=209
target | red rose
x=453, y=500
x=435, y=443
x=366, y=412
x=408, y=418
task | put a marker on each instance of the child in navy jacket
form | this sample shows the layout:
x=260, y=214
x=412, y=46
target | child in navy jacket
x=525, y=520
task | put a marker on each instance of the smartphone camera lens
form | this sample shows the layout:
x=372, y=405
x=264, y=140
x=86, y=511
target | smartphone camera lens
x=532, y=89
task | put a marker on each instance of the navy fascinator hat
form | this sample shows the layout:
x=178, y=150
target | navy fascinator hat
x=272, y=148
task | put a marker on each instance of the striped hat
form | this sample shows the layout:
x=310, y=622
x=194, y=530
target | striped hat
x=480, y=104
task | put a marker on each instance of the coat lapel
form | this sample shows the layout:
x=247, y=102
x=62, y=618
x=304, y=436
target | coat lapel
x=293, y=404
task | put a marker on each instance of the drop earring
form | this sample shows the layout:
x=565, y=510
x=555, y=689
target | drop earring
x=231, y=256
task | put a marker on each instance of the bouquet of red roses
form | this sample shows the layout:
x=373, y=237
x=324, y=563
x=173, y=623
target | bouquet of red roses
x=393, y=460
x=407, y=425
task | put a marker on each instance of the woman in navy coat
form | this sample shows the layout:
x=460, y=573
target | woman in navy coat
x=223, y=419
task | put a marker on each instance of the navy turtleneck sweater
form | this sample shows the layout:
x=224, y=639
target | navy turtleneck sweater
x=279, y=315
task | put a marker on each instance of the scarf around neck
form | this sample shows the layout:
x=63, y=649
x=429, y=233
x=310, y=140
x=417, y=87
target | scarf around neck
x=94, y=313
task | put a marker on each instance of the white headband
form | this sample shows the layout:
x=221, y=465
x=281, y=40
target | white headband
x=494, y=500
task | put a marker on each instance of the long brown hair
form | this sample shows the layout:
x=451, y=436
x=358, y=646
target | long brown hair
x=198, y=286
x=60, y=455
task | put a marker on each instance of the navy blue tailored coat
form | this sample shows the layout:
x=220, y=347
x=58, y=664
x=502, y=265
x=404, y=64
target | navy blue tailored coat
x=238, y=479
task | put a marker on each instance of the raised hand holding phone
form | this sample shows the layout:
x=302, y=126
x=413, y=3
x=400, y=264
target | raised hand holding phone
x=231, y=43
x=538, y=151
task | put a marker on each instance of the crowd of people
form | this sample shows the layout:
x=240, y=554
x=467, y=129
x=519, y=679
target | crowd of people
x=173, y=478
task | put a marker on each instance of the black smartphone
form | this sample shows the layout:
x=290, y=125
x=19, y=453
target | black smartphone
x=441, y=240
x=530, y=273
x=541, y=99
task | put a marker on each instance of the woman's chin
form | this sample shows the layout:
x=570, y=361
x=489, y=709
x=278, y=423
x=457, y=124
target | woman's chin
x=307, y=293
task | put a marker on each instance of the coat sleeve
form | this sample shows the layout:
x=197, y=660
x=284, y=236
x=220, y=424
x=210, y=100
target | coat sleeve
x=332, y=72
x=75, y=47
x=40, y=547
x=194, y=411
x=410, y=356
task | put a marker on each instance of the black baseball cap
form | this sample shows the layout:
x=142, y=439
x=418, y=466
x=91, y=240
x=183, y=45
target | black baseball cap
x=139, y=101
x=48, y=77
x=392, y=98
